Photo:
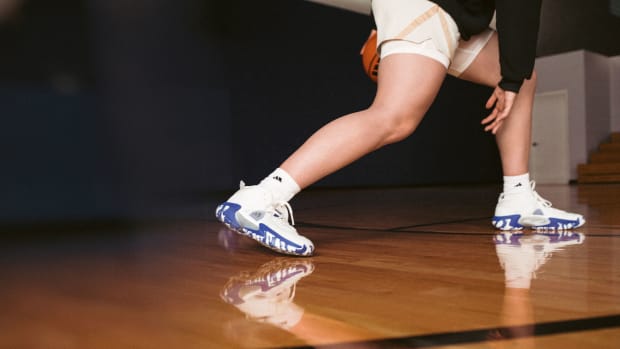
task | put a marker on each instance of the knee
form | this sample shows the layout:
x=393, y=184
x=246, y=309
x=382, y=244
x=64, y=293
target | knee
x=396, y=125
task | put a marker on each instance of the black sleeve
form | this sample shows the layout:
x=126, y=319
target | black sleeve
x=517, y=30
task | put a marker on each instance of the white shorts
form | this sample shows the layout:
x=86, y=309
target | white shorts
x=422, y=27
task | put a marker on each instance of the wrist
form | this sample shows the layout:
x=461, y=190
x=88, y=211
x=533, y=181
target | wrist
x=510, y=85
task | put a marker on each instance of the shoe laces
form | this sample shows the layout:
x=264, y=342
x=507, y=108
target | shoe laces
x=544, y=202
x=283, y=210
x=280, y=209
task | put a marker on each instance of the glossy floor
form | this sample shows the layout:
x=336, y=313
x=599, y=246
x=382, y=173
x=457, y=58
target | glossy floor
x=394, y=268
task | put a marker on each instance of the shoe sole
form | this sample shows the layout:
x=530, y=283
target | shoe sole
x=538, y=223
x=235, y=219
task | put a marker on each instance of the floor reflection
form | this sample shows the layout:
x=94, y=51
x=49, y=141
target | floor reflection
x=267, y=296
x=521, y=256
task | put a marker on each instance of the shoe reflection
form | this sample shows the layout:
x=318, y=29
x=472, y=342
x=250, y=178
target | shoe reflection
x=521, y=256
x=267, y=296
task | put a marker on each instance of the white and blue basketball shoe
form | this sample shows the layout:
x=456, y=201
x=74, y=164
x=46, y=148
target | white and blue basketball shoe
x=252, y=212
x=527, y=209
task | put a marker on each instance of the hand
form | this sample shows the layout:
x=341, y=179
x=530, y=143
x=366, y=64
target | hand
x=501, y=101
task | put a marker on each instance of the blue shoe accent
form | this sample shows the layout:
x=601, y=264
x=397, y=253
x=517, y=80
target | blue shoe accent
x=513, y=239
x=226, y=214
x=510, y=222
x=273, y=240
x=565, y=236
x=264, y=235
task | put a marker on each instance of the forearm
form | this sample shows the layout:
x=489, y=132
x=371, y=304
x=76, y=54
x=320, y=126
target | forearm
x=517, y=28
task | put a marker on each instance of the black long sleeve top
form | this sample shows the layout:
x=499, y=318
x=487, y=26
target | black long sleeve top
x=517, y=30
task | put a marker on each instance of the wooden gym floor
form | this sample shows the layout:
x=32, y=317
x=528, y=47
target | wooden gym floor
x=394, y=268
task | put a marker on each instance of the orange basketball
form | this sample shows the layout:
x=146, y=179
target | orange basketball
x=370, y=58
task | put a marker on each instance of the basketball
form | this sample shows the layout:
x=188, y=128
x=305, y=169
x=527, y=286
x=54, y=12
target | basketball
x=370, y=58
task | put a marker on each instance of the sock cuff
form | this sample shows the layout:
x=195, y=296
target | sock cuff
x=516, y=183
x=281, y=185
x=283, y=177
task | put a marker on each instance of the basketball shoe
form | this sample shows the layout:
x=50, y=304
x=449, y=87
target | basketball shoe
x=528, y=209
x=267, y=295
x=252, y=212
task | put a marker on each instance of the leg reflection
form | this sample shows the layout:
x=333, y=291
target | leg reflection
x=521, y=256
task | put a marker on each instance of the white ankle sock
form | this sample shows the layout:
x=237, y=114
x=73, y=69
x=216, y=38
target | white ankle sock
x=516, y=184
x=281, y=185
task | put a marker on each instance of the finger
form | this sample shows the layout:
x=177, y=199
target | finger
x=490, y=126
x=503, y=114
x=491, y=101
x=501, y=101
x=495, y=126
x=506, y=112
x=490, y=118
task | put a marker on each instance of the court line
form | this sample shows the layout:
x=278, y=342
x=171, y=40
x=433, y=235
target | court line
x=405, y=229
x=486, y=335
x=394, y=229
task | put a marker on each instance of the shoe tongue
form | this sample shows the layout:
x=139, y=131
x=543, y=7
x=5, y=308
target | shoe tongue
x=258, y=215
x=281, y=212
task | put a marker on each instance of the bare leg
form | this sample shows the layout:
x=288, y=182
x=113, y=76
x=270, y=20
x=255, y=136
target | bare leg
x=517, y=208
x=407, y=86
x=514, y=137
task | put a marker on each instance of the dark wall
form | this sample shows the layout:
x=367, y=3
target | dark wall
x=51, y=146
x=147, y=108
x=301, y=68
x=569, y=25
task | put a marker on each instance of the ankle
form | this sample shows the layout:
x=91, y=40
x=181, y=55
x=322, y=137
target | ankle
x=517, y=184
x=281, y=185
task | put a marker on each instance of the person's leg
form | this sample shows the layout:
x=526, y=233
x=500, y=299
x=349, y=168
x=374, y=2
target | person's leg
x=415, y=40
x=477, y=60
x=407, y=85
x=519, y=205
x=514, y=137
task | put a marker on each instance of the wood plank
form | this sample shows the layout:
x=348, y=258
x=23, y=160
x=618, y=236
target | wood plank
x=610, y=147
x=194, y=284
x=605, y=157
x=599, y=178
x=599, y=168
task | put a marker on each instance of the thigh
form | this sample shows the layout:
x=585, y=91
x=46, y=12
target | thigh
x=408, y=83
x=485, y=68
